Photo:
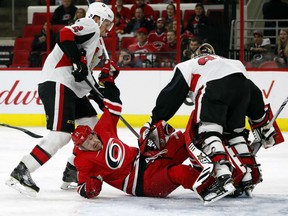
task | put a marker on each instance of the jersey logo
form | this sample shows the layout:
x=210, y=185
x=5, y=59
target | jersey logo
x=114, y=154
x=204, y=59
x=77, y=28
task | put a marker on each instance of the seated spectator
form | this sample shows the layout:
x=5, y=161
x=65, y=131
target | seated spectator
x=143, y=50
x=158, y=36
x=189, y=52
x=198, y=23
x=147, y=9
x=261, y=49
x=80, y=13
x=171, y=16
x=119, y=26
x=125, y=13
x=168, y=51
x=64, y=13
x=139, y=21
x=39, y=46
x=127, y=60
x=282, y=49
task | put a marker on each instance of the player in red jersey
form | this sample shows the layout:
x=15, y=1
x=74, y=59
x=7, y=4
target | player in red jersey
x=146, y=171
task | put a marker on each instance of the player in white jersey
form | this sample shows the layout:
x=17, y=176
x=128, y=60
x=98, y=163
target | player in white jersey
x=223, y=96
x=63, y=89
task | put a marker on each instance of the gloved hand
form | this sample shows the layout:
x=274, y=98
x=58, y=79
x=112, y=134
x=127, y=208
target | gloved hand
x=109, y=72
x=91, y=188
x=80, y=69
x=268, y=136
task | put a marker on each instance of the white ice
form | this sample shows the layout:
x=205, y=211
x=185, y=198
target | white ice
x=270, y=197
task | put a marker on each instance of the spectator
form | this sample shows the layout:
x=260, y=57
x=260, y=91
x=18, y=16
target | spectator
x=274, y=9
x=261, y=49
x=139, y=21
x=198, y=23
x=282, y=49
x=158, y=36
x=39, y=46
x=119, y=26
x=143, y=50
x=191, y=49
x=80, y=13
x=127, y=60
x=125, y=13
x=147, y=9
x=64, y=13
x=171, y=16
x=169, y=50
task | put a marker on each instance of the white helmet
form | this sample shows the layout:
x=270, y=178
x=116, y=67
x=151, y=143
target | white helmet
x=101, y=10
x=205, y=48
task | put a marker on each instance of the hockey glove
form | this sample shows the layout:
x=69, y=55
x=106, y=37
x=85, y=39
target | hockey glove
x=109, y=72
x=91, y=188
x=80, y=69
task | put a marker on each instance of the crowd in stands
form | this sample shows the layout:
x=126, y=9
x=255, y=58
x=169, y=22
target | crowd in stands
x=147, y=37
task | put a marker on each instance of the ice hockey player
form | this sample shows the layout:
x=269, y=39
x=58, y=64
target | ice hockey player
x=63, y=89
x=146, y=171
x=223, y=96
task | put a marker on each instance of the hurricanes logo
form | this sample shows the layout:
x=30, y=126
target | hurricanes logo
x=114, y=155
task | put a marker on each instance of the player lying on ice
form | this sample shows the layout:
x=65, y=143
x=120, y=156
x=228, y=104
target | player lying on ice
x=149, y=171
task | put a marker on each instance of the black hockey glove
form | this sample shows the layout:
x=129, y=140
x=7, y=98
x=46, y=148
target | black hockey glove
x=80, y=71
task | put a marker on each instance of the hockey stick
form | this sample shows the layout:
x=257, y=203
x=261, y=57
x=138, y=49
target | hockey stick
x=256, y=145
x=23, y=130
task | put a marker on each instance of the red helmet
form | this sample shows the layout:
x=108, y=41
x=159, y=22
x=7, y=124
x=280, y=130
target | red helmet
x=80, y=134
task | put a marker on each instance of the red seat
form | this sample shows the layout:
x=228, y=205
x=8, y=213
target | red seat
x=109, y=44
x=31, y=30
x=20, y=58
x=268, y=64
x=39, y=18
x=126, y=41
x=23, y=44
x=57, y=28
x=156, y=14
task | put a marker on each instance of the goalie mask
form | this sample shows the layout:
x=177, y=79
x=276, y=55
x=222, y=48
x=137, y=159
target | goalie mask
x=205, y=48
x=102, y=11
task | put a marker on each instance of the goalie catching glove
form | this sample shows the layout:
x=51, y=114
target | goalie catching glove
x=80, y=69
x=91, y=188
x=154, y=136
x=109, y=72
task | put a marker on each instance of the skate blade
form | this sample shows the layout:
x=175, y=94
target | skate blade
x=229, y=188
x=248, y=193
x=15, y=184
x=68, y=186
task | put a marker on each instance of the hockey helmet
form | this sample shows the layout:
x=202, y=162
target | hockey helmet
x=205, y=48
x=102, y=11
x=80, y=134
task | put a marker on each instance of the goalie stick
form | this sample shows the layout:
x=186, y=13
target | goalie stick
x=23, y=130
x=256, y=145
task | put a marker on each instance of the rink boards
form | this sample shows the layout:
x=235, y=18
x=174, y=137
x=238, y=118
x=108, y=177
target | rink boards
x=20, y=104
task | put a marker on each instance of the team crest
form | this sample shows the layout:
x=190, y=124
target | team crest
x=114, y=154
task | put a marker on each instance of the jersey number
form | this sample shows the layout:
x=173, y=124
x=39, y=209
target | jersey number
x=204, y=59
x=77, y=28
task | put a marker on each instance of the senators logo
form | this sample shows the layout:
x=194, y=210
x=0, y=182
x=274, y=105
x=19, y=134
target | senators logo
x=114, y=154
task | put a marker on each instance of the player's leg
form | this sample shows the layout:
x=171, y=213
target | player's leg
x=58, y=102
x=85, y=115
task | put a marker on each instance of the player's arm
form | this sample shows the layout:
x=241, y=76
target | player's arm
x=170, y=98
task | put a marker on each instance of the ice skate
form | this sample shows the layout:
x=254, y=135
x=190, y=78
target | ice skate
x=69, y=177
x=21, y=181
x=219, y=189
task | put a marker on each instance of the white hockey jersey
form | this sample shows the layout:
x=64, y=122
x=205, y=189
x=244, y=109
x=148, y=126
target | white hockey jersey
x=204, y=68
x=58, y=67
x=189, y=77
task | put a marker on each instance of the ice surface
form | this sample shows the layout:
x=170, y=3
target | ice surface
x=270, y=197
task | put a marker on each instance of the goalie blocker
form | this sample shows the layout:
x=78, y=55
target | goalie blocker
x=265, y=133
